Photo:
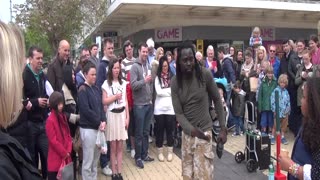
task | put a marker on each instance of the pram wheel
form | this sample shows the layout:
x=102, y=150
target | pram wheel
x=239, y=157
x=252, y=165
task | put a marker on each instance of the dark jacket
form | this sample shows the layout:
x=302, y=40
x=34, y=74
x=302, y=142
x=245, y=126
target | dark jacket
x=237, y=67
x=70, y=108
x=238, y=103
x=293, y=66
x=90, y=107
x=15, y=163
x=245, y=81
x=55, y=73
x=94, y=61
x=33, y=90
x=288, y=66
x=228, y=71
x=19, y=130
x=102, y=71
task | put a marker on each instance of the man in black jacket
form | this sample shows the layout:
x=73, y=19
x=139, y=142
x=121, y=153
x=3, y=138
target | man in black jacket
x=34, y=90
x=289, y=65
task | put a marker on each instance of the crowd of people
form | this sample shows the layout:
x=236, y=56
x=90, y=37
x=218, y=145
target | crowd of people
x=65, y=110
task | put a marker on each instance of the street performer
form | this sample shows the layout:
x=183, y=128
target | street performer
x=191, y=88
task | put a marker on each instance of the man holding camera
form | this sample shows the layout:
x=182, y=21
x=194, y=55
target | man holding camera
x=36, y=104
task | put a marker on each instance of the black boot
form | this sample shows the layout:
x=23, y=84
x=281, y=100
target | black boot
x=120, y=176
x=114, y=177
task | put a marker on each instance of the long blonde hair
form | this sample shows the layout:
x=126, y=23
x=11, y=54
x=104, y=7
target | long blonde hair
x=159, y=50
x=257, y=61
x=12, y=54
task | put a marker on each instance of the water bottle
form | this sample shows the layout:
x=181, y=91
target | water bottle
x=271, y=171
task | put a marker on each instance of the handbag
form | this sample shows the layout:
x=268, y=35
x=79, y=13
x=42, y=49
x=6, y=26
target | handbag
x=66, y=170
x=77, y=141
x=254, y=81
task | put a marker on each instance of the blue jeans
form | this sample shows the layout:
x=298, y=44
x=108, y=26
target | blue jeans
x=239, y=123
x=105, y=158
x=267, y=119
x=142, y=117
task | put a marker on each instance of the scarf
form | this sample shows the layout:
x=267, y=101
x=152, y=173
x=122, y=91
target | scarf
x=165, y=80
x=247, y=67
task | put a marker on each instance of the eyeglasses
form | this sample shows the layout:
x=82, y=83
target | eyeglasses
x=272, y=51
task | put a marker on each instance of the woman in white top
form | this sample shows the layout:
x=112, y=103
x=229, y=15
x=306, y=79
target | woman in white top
x=163, y=109
x=114, y=96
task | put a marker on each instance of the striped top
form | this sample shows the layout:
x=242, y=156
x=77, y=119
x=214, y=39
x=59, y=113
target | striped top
x=126, y=66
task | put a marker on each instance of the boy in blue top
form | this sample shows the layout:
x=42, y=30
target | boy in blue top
x=284, y=107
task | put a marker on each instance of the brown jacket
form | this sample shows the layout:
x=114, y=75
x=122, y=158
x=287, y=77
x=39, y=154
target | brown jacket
x=55, y=74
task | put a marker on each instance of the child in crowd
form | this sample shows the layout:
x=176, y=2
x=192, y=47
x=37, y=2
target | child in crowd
x=237, y=108
x=284, y=107
x=59, y=139
x=267, y=86
x=262, y=73
x=114, y=95
x=255, y=39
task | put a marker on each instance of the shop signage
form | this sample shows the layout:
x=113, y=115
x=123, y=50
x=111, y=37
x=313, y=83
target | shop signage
x=268, y=33
x=168, y=34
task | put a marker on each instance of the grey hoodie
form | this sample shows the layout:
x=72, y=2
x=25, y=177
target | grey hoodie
x=142, y=92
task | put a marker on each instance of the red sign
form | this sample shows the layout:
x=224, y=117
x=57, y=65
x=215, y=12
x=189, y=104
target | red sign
x=168, y=34
x=268, y=33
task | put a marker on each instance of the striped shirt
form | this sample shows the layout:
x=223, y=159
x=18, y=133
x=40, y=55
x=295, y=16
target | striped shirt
x=126, y=66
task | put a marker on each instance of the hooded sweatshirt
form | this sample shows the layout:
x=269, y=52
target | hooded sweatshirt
x=142, y=91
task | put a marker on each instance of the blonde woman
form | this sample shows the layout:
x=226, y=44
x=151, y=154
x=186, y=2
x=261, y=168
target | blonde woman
x=15, y=163
x=261, y=55
x=155, y=62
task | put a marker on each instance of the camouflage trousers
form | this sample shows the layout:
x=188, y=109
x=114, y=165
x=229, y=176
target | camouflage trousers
x=197, y=158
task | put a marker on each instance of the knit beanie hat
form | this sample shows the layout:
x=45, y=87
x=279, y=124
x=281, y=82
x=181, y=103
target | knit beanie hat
x=55, y=98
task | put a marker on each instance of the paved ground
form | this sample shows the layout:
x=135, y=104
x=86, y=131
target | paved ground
x=225, y=168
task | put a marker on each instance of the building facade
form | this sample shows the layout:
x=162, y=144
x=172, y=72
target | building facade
x=225, y=22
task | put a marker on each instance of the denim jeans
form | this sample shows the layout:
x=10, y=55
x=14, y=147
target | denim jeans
x=38, y=144
x=239, y=124
x=105, y=158
x=142, y=116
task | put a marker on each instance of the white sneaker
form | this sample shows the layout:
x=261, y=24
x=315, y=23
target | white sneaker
x=133, y=152
x=107, y=171
x=150, y=139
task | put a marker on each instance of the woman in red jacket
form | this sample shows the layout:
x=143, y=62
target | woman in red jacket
x=60, y=142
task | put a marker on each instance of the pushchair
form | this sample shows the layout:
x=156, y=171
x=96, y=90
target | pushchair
x=177, y=138
x=216, y=125
x=258, y=149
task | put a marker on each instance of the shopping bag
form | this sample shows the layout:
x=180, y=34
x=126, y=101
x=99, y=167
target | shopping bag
x=101, y=142
x=253, y=84
x=66, y=170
